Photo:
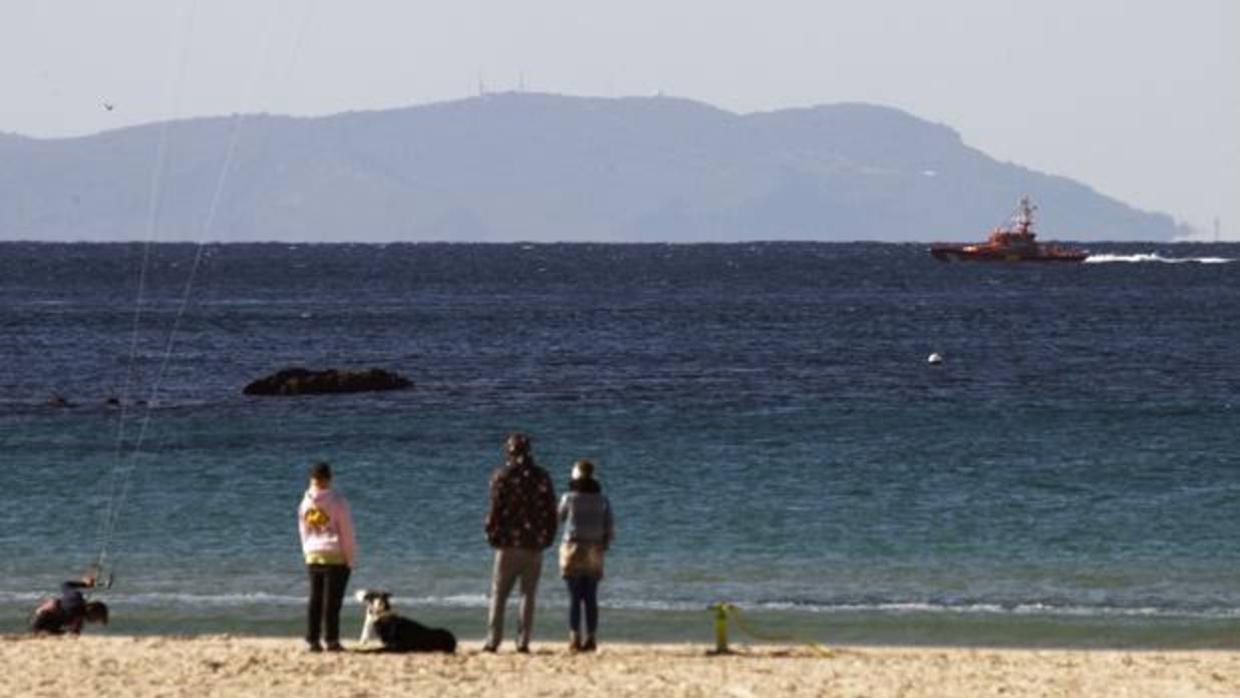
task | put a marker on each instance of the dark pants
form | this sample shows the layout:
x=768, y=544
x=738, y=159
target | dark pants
x=48, y=618
x=327, y=583
x=582, y=591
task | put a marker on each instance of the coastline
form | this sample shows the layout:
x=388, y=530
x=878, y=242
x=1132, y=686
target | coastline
x=245, y=666
x=282, y=617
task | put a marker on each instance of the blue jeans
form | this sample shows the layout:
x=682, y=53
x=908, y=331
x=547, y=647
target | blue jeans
x=582, y=591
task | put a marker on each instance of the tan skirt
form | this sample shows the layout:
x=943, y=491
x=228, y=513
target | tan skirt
x=581, y=559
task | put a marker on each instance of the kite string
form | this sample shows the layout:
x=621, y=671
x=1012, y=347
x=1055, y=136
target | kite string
x=154, y=199
x=126, y=475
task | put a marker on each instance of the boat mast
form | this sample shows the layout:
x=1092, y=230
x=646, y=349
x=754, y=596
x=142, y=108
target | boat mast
x=1024, y=216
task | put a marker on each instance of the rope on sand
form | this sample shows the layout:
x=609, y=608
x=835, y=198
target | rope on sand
x=725, y=612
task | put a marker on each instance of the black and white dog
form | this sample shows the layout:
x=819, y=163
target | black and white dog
x=397, y=633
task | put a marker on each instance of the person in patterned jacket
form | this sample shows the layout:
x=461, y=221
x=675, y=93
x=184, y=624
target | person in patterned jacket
x=520, y=525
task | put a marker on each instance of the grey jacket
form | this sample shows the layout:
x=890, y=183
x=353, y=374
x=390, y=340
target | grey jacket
x=586, y=514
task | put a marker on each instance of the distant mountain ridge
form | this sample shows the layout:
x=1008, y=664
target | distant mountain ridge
x=540, y=167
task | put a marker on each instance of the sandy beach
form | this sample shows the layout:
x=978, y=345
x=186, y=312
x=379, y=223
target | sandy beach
x=245, y=666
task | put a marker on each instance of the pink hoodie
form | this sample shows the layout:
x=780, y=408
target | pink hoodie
x=326, y=528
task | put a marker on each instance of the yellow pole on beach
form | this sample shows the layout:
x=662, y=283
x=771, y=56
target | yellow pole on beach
x=721, y=627
x=725, y=610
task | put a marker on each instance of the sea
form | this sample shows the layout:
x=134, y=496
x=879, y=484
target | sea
x=763, y=418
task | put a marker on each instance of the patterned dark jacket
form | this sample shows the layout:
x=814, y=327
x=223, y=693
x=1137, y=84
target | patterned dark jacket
x=523, y=507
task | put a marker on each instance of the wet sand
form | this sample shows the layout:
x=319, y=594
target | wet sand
x=246, y=666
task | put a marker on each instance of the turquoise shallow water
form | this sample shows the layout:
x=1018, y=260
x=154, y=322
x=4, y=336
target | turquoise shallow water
x=765, y=422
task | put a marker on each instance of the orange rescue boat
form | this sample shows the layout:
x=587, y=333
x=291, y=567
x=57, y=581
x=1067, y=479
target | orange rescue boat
x=1015, y=243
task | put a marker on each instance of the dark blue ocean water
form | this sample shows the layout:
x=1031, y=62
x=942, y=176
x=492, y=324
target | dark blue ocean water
x=763, y=417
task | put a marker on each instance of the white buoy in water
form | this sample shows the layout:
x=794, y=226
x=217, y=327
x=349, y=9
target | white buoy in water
x=934, y=359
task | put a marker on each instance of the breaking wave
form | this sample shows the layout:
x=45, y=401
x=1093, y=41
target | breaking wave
x=479, y=601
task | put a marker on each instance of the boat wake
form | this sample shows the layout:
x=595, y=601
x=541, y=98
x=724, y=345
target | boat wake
x=1154, y=257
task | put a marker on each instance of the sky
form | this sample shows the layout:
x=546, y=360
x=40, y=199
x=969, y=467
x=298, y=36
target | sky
x=1139, y=99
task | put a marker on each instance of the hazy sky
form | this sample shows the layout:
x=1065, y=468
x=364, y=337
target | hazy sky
x=1138, y=98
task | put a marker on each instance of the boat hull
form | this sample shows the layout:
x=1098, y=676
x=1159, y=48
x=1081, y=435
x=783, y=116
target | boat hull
x=952, y=253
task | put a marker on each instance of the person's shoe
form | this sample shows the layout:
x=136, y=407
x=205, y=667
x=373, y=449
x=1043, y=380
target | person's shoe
x=589, y=645
x=523, y=649
x=488, y=647
x=574, y=642
x=334, y=647
x=314, y=647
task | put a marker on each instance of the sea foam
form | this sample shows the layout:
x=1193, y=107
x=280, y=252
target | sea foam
x=1153, y=257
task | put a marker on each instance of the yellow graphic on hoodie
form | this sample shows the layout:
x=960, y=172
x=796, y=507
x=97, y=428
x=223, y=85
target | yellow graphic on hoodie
x=316, y=518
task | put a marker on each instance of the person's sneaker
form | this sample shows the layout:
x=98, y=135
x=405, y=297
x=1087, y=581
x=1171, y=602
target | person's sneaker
x=334, y=647
x=589, y=645
x=523, y=649
x=488, y=647
x=574, y=642
x=314, y=647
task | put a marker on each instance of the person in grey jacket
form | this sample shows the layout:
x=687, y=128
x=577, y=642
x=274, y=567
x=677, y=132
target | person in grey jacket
x=588, y=532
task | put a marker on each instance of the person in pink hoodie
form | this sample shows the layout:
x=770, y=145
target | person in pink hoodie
x=328, y=543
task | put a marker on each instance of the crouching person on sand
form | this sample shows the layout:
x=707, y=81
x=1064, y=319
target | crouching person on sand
x=520, y=525
x=66, y=614
x=588, y=532
x=327, y=541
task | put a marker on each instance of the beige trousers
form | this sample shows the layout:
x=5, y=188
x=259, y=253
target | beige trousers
x=512, y=564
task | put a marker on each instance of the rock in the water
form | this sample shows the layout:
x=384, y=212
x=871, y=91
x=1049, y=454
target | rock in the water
x=300, y=381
